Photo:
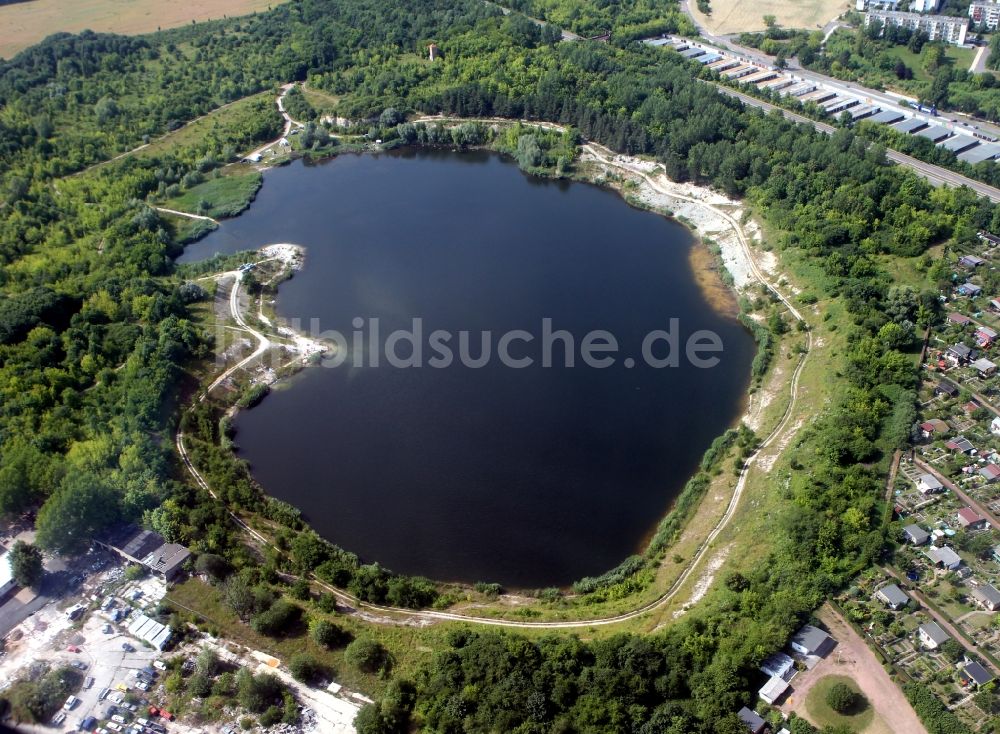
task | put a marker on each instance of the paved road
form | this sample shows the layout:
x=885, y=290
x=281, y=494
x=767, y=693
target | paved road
x=936, y=175
x=886, y=100
x=979, y=63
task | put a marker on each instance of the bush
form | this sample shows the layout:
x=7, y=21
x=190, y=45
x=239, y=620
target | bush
x=327, y=603
x=327, y=634
x=366, y=655
x=842, y=698
x=305, y=667
x=213, y=566
x=280, y=618
x=490, y=590
x=199, y=685
x=270, y=717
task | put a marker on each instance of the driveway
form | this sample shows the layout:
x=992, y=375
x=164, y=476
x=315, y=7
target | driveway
x=852, y=657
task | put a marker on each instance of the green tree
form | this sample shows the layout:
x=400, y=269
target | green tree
x=26, y=564
x=327, y=634
x=842, y=698
x=366, y=655
x=305, y=668
x=84, y=505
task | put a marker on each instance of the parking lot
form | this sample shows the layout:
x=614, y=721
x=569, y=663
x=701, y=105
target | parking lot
x=100, y=646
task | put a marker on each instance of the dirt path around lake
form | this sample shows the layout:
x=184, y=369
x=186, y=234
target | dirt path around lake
x=699, y=199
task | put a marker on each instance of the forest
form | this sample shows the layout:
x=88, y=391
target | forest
x=98, y=337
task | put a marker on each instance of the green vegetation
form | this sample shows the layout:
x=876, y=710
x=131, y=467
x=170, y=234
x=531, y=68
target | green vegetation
x=841, y=697
x=222, y=196
x=891, y=58
x=367, y=655
x=36, y=697
x=835, y=701
x=98, y=328
x=26, y=564
x=934, y=714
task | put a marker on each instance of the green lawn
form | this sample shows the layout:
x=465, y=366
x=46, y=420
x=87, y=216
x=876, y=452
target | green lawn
x=824, y=716
x=959, y=58
x=225, y=196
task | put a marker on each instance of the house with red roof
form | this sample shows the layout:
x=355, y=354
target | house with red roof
x=970, y=519
x=933, y=426
x=990, y=472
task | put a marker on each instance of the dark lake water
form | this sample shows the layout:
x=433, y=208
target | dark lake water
x=531, y=477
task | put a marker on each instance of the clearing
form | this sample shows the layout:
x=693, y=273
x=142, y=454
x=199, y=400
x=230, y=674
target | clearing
x=736, y=16
x=854, y=659
x=859, y=719
x=27, y=23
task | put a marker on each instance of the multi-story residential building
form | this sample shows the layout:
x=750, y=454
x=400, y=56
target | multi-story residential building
x=937, y=27
x=985, y=13
x=916, y=6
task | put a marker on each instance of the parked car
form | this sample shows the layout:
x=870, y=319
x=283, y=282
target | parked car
x=59, y=718
x=103, y=694
x=71, y=703
x=79, y=665
x=89, y=682
x=114, y=726
x=142, y=685
x=107, y=629
x=127, y=647
x=159, y=665
x=118, y=718
x=72, y=648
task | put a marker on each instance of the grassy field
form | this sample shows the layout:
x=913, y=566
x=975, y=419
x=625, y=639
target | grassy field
x=824, y=716
x=958, y=58
x=410, y=646
x=735, y=16
x=27, y=23
x=225, y=196
x=321, y=101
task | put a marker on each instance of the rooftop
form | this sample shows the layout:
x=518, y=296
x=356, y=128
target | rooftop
x=977, y=673
x=893, y=595
x=6, y=572
x=933, y=631
x=751, y=719
x=929, y=480
x=970, y=515
x=987, y=593
x=944, y=555
x=150, y=630
x=811, y=638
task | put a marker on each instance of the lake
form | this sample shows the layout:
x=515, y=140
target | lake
x=531, y=476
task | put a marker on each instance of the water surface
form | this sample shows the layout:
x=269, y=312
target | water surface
x=530, y=477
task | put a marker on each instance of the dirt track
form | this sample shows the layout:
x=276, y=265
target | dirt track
x=852, y=657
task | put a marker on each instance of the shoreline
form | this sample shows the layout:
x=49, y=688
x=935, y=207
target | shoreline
x=698, y=209
x=689, y=205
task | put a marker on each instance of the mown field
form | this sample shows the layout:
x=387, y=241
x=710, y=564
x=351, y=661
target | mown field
x=736, y=16
x=27, y=23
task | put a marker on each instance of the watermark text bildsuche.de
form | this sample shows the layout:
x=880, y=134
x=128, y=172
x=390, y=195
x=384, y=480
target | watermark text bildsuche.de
x=367, y=346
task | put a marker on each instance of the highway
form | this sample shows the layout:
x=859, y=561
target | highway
x=936, y=175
